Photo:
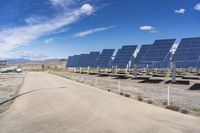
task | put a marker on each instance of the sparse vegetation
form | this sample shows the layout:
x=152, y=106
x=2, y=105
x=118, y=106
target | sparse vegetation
x=140, y=97
x=185, y=111
x=196, y=110
x=150, y=102
x=173, y=107
x=127, y=95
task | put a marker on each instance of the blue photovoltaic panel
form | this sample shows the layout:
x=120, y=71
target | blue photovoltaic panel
x=69, y=61
x=124, y=55
x=137, y=61
x=73, y=61
x=105, y=58
x=92, y=59
x=83, y=59
x=188, y=53
x=159, y=53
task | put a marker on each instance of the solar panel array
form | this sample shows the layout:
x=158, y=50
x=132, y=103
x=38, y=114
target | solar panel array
x=105, y=58
x=124, y=55
x=137, y=61
x=159, y=53
x=188, y=53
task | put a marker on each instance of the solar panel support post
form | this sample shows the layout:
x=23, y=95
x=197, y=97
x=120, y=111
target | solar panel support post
x=88, y=70
x=106, y=70
x=80, y=70
x=147, y=69
x=98, y=69
x=74, y=70
x=173, y=72
x=135, y=71
x=197, y=71
x=115, y=69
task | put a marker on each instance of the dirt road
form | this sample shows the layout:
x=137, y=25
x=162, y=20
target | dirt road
x=58, y=105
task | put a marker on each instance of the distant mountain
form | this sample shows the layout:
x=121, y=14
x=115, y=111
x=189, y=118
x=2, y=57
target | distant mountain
x=14, y=61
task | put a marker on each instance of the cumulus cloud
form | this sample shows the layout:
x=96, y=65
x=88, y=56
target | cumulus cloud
x=180, y=11
x=197, y=7
x=87, y=9
x=92, y=31
x=14, y=37
x=149, y=28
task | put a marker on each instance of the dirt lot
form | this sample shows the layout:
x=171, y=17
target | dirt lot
x=9, y=87
x=156, y=92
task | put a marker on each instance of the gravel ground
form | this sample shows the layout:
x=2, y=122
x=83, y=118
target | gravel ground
x=9, y=87
x=180, y=95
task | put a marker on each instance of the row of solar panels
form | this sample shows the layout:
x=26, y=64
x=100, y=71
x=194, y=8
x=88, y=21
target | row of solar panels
x=156, y=55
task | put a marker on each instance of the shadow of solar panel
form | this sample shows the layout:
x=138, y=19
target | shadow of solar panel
x=159, y=53
x=124, y=55
x=136, y=61
x=188, y=53
x=105, y=58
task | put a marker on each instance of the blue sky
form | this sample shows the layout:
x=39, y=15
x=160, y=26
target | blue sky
x=40, y=29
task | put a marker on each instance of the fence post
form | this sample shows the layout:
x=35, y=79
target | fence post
x=119, y=87
x=95, y=82
x=168, y=97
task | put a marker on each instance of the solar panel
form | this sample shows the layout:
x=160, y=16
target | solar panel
x=124, y=55
x=137, y=61
x=73, y=61
x=69, y=61
x=159, y=53
x=105, y=58
x=188, y=53
x=92, y=58
x=82, y=62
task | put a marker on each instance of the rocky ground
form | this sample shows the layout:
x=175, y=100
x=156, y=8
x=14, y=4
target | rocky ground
x=155, y=92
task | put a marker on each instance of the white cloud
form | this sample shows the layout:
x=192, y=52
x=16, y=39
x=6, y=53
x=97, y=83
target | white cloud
x=91, y=31
x=197, y=7
x=180, y=11
x=48, y=40
x=147, y=28
x=87, y=9
x=61, y=2
x=14, y=37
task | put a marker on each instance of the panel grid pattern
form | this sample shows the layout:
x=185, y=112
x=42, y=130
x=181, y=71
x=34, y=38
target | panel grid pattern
x=105, y=58
x=188, y=53
x=137, y=61
x=124, y=55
